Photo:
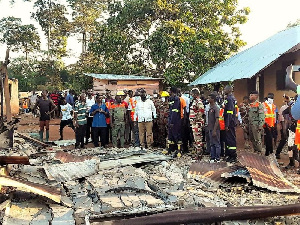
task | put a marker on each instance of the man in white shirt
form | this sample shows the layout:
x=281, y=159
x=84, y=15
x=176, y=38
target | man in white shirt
x=33, y=98
x=144, y=113
x=89, y=101
x=66, y=112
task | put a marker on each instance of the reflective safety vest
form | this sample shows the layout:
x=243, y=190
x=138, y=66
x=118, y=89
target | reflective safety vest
x=221, y=119
x=25, y=105
x=297, y=135
x=133, y=104
x=108, y=106
x=269, y=114
x=237, y=110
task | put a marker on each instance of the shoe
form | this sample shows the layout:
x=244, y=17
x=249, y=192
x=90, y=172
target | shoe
x=76, y=146
x=212, y=161
x=230, y=160
x=178, y=155
x=217, y=160
x=60, y=139
x=278, y=157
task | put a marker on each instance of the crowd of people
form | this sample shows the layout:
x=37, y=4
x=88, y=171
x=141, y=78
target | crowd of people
x=179, y=122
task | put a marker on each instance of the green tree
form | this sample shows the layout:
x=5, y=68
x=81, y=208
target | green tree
x=174, y=39
x=85, y=15
x=52, y=18
x=19, y=37
x=27, y=73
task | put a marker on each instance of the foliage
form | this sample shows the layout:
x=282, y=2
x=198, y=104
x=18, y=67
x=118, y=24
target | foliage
x=174, y=39
x=37, y=74
x=296, y=23
x=52, y=18
x=19, y=37
x=85, y=15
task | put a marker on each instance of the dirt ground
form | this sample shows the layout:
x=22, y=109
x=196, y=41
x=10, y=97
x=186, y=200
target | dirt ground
x=30, y=124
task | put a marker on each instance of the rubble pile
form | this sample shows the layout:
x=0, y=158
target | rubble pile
x=60, y=186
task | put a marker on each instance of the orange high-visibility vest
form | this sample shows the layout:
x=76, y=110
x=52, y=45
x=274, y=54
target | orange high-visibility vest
x=237, y=110
x=270, y=115
x=297, y=135
x=221, y=119
x=25, y=105
x=108, y=106
x=133, y=104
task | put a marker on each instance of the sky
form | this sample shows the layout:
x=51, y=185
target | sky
x=267, y=17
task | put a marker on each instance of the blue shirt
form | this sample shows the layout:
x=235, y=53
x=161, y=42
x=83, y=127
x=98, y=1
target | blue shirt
x=99, y=118
x=70, y=99
x=296, y=109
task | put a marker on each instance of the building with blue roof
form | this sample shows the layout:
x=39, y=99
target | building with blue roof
x=261, y=67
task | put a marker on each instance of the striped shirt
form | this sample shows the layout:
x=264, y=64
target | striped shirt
x=81, y=113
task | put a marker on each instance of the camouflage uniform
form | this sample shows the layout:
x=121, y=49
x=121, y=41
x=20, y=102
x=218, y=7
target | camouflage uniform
x=256, y=118
x=118, y=112
x=244, y=108
x=162, y=121
x=197, y=123
x=155, y=129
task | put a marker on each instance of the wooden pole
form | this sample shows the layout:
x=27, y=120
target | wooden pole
x=6, y=86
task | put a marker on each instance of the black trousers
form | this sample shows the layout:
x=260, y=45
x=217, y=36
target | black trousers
x=222, y=142
x=100, y=132
x=230, y=142
x=269, y=140
x=64, y=123
x=283, y=141
x=89, y=130
x=79, y=134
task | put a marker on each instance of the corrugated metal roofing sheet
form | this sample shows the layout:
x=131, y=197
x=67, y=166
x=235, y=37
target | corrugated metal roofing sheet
x=119, y=77
x=250, y=61
x=265, y=172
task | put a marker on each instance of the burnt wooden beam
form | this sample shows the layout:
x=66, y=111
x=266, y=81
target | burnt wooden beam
x=43, y=190
x=4, y=160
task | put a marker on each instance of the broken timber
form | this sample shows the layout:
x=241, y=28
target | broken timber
x=4, y=160
x=49, y=192
x=32, y=140
x=209, y=215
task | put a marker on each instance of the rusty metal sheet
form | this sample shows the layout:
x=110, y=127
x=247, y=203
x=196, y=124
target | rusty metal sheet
x=208, y=215
x=47, y=191
x=210, y=171
x=265, y=172
x=66, y=157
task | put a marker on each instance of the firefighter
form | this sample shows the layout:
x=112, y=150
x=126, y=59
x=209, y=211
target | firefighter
x=230, y=124
x=174, y=124
x=222, y=131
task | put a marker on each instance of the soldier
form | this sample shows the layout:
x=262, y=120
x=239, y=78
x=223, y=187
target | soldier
x=270, y=120
x=244, y=108
x=197, y=121
x=117, y=120
x=256, y=119
x=157, y=102
x=230, y=124
x=162, y=119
